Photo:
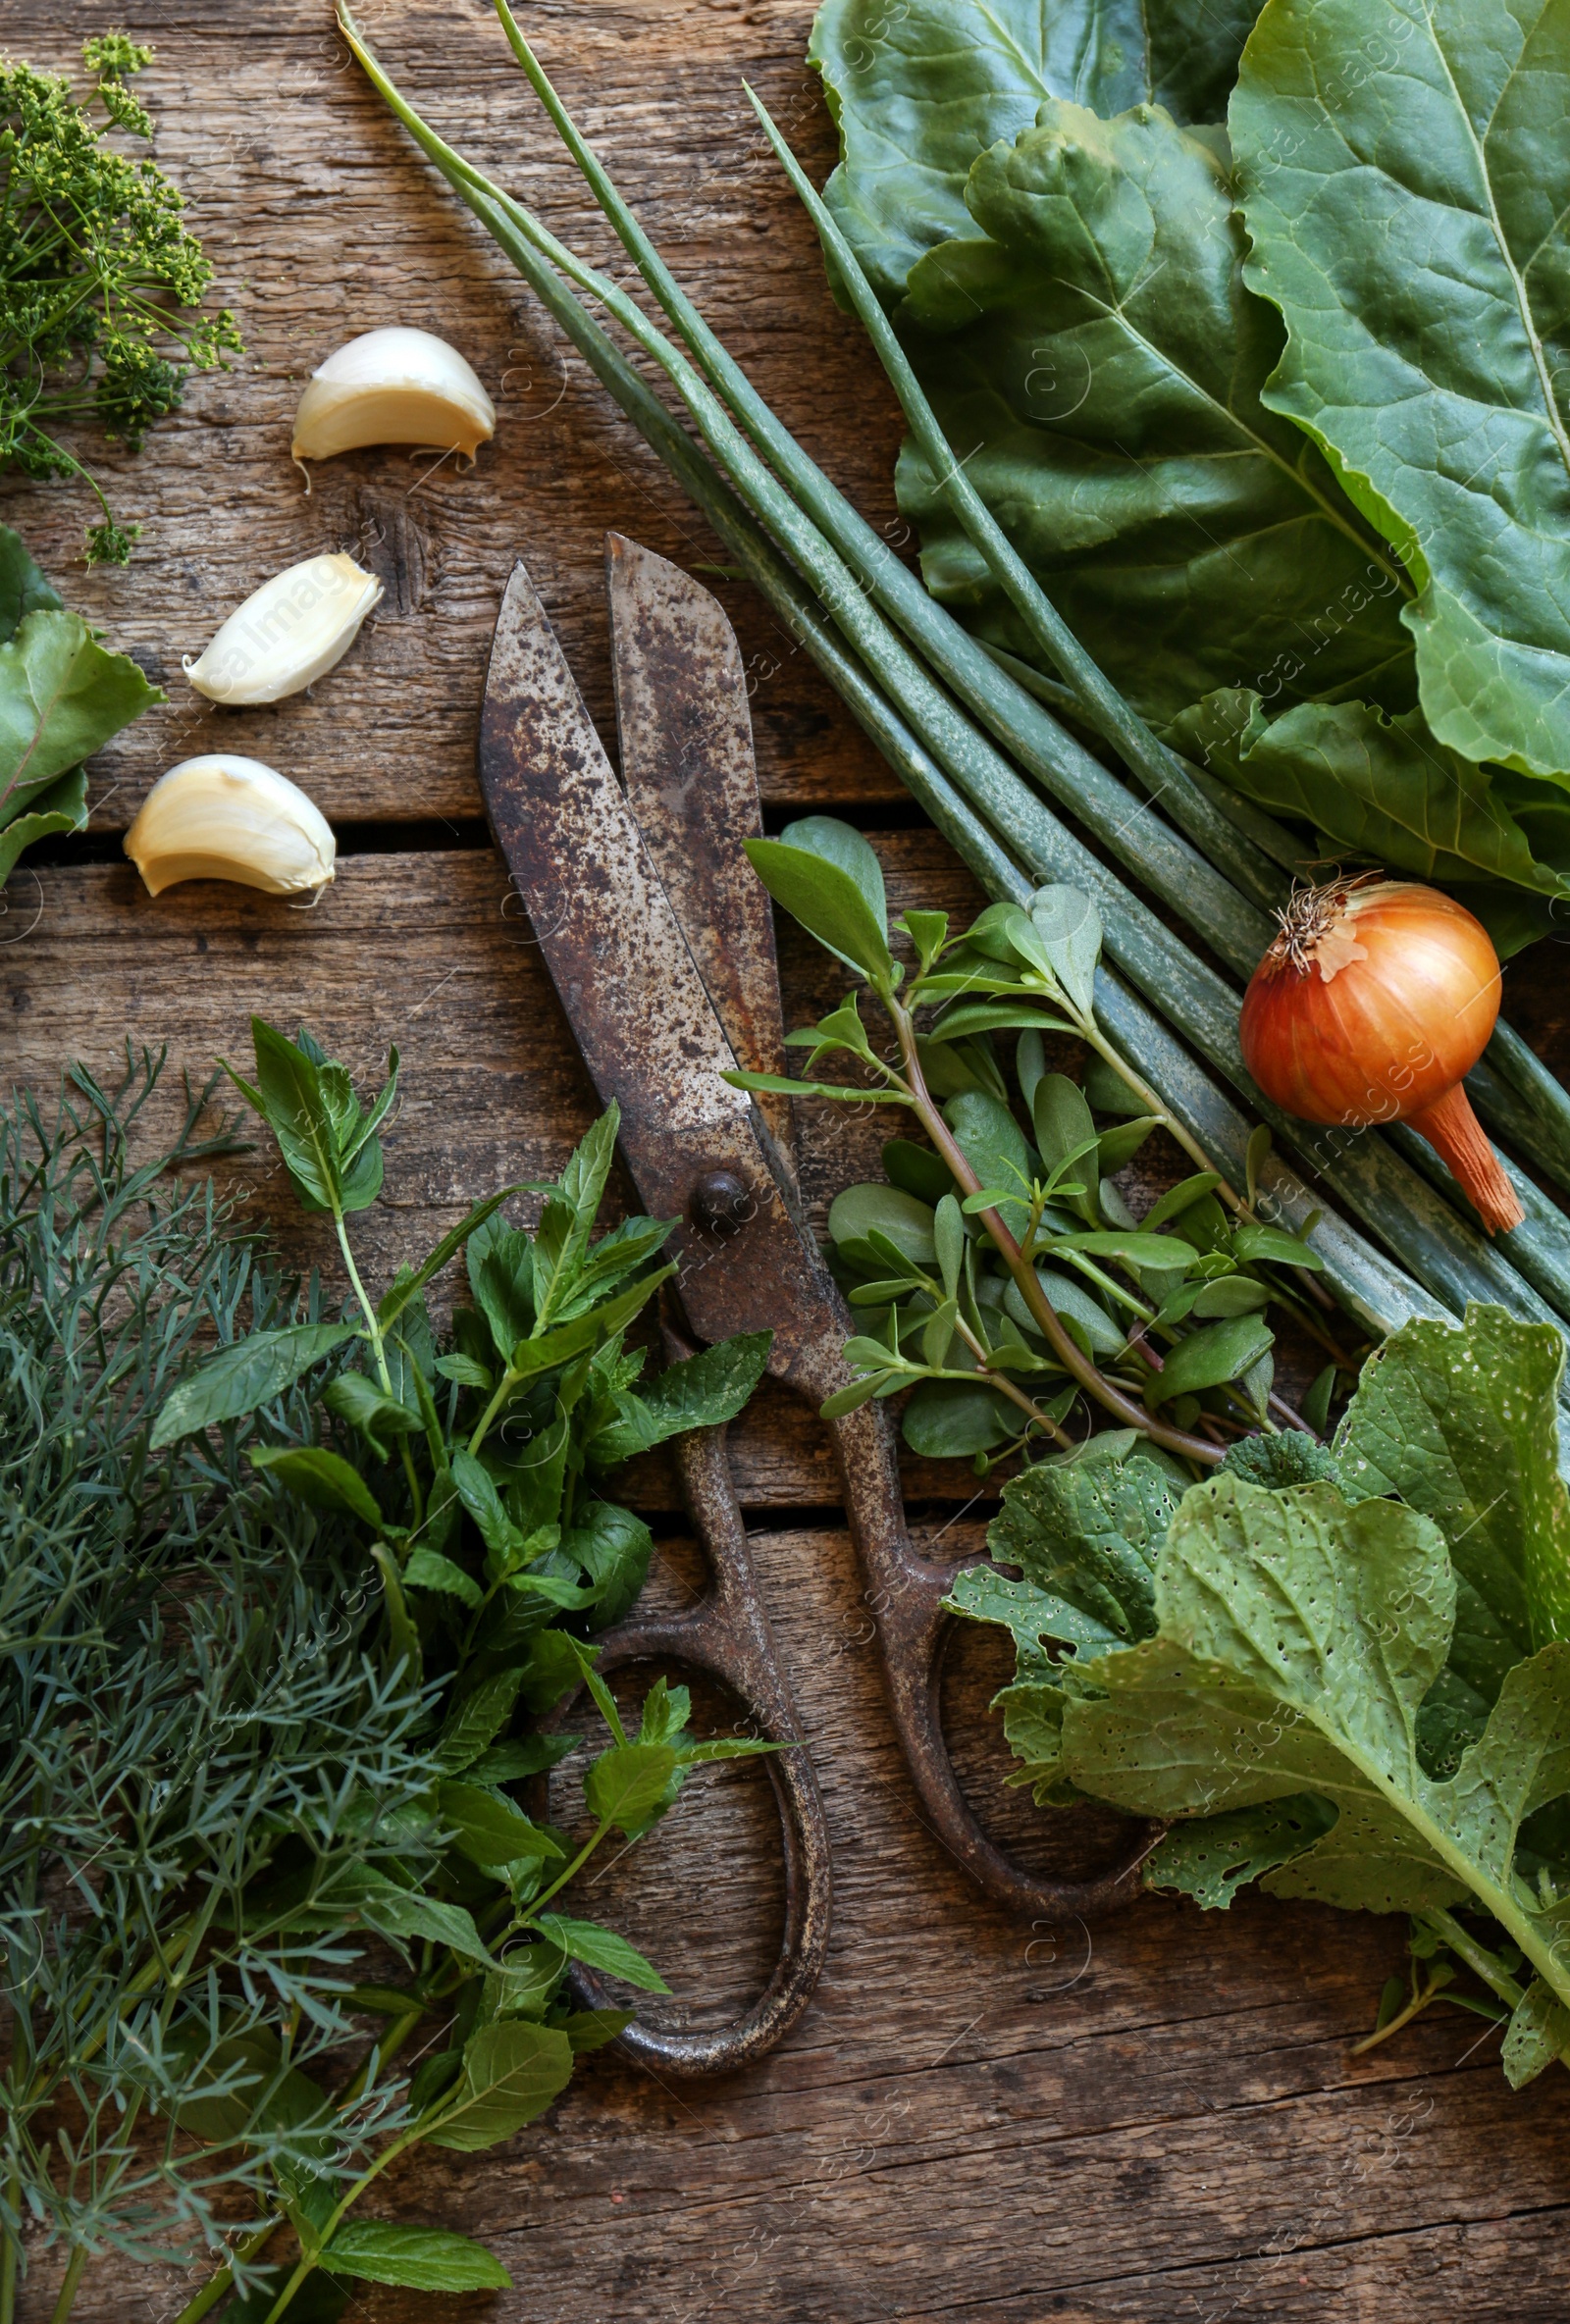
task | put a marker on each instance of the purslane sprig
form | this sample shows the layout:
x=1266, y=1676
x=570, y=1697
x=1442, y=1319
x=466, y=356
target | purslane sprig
x=1007, y=1267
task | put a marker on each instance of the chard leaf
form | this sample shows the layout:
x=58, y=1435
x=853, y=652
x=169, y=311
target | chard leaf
x=918, y=92
x=1087, y=1530
x=1382, y=788
x=425, y=2258
x=1408, y=218
x=1538, y=2032
x=1091, y=351
x=24, y=589
x=513, y=2070
x=1211, y=1857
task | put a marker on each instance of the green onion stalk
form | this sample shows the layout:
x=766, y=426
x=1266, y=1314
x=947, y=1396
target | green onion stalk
x=964, y=735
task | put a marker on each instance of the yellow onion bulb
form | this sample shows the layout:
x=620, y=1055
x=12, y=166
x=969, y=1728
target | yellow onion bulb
x=1373, y=1003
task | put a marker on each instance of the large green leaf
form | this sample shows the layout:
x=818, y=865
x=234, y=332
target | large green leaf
x=919, y=89
x=1094, y=358
x=703, y=1392
x=1383, y=788
x=1299, y=1635
x=1464, y=1426
x=1405, y=177
x=61, y=699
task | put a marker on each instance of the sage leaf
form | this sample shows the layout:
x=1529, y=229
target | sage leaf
x=513, y=2070
x=1379, y=147
x=423, y=2258
x=243, y=1377
x=600, y=1948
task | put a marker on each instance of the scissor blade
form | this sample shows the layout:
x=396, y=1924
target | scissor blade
x=634, y=998
x=687, y=761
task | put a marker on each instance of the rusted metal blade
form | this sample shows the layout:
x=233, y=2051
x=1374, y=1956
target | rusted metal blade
x=637, y=1003
x=687, y=763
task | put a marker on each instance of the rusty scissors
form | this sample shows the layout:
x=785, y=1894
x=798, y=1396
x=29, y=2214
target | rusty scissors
x=659, y=940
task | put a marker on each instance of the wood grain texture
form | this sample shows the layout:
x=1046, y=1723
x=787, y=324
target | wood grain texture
x=977, y=2121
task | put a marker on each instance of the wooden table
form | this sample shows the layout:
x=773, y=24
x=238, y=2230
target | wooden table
x=977, y=2120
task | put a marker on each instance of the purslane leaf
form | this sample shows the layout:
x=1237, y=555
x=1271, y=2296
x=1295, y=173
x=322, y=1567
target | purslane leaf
x=1406, y=185
x=828, y=899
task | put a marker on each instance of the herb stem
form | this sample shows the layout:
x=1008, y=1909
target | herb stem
x=378, y=1353
x=219, y=2282
x=1123, y=1409
x=70, y=2285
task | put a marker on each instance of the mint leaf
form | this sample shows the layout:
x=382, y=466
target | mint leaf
x=243, y=1377
x=425, y=2258
x=602, y=1949
x=513, y=2070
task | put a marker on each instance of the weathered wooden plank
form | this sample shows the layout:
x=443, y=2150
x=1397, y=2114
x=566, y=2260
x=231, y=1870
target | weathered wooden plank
x=322, y=220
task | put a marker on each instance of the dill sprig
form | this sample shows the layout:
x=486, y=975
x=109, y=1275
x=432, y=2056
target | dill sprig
x=99, y=278
x=185, y=1699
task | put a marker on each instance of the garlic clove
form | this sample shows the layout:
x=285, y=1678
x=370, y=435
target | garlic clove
x=228, y=818
x=289, y=633
x=393, y=387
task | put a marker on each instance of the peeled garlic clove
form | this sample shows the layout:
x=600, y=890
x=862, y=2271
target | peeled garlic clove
x=393, y=387
x=289, y=633
x=228, y=818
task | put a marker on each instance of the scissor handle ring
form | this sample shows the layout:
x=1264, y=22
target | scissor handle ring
x=728, y=1638
x=904, y=1594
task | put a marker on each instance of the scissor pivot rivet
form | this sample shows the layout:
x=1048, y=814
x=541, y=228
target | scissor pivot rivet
x=723, y=1203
